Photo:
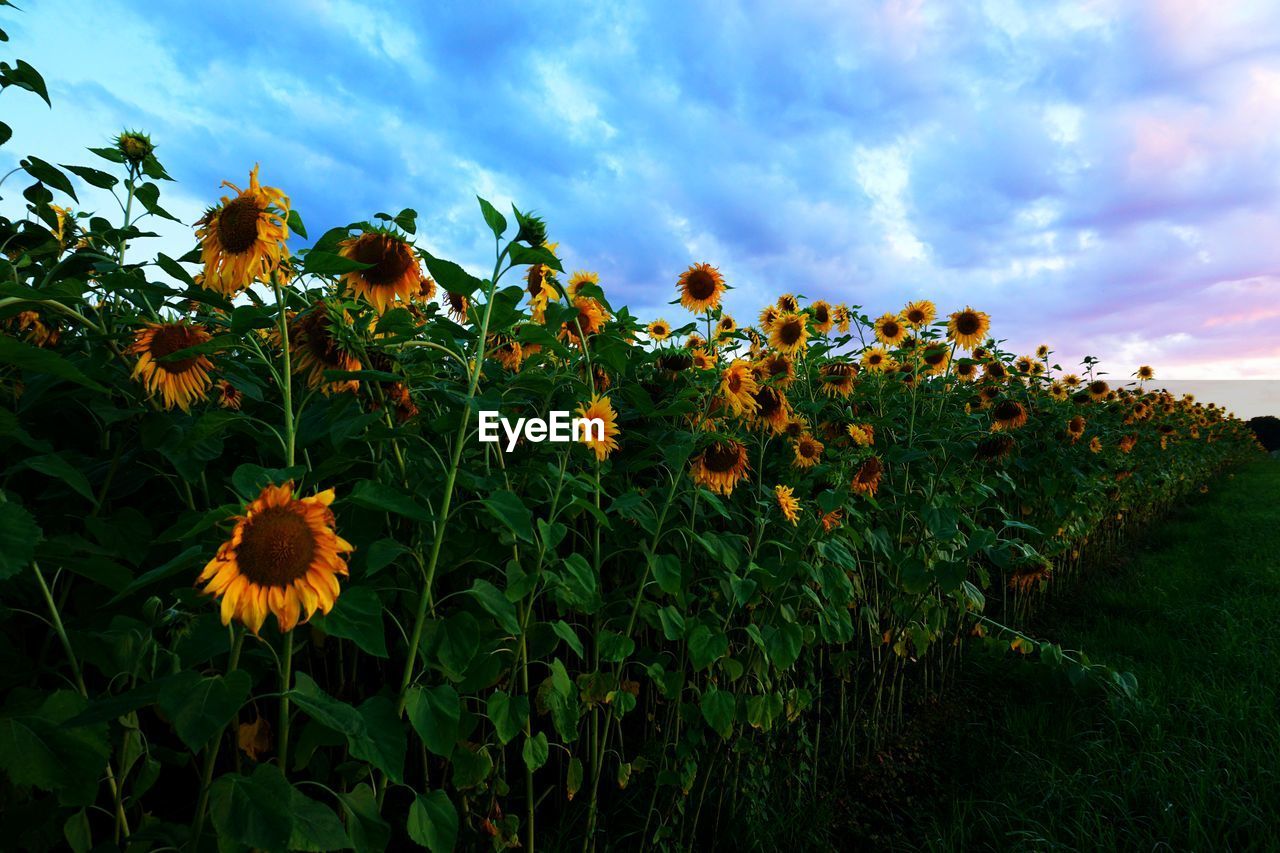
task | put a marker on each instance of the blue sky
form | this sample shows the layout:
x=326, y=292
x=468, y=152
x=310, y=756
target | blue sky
x=1102, y=176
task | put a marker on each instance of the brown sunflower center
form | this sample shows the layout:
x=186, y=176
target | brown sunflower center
x=968, y=323
x=770, y=402
x=791, y=331
x=915, y=315
x=721, y=457
x=700, y=284
x=238, y=224
x=890, y=329
x=821, y=314
x=1007, y=410
x=537, y=274
x=278, y=547
x=734, y=383
x=776, y=366
x=170, y=339
x=808, y=450
x=869, y=472
x=391, y=259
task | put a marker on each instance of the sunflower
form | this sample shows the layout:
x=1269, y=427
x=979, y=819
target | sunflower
x=590, y=319
x=831, y=520
x=889, y=330
x=863, y=435
x=507, y=351
x=968, y=327
x=283, y=557
x=788, y=304
x=797, y=426
x=316, y=348
x=777, y=368
x=1057, y=390
x=1008, y=415
x=995, y=447
x=772, y=409
x=995, y=371
x=659, y=330
x=1127, y=442
x=43, y=332
x=538, y=283
x=1146, y=372
x=675, y=360
x=393, y=273
x=726, y=326
x=738, y=386
x=701, y=287
x=936, y=358
x=179, y=382
x=228, y=395
x=919, y=314
x=721, y=466
x=790, y=333
x=242, y=240
x=867, y=479
x=1098, y=389
x=822, y=317
x=426, y=289
x=966, y=371
x=808, y=450
x=458, y=304
x=842, y=317
x=1095, y=445
x=703, y=360
x=1075, y=427
x=768, y=316
x=1025, y=364
x=877, y=360
x=600, y=408
x=837, y=378
x=787, y=503
x=1071, y=380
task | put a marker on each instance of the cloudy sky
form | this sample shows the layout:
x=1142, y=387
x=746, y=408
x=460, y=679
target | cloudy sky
x=1100, y=175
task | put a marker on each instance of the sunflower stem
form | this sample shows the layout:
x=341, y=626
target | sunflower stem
x=211, y=753
x=286, y=378
x=286, y=667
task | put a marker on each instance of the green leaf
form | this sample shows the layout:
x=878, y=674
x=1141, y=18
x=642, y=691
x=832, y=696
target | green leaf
x=77, y=832
x=27, y=357
x=667, y=571
x=535, y=751
x=433, y=822
x=357, y=616
x=175, y=269
x=328, y=263
x=253, y=810
x=57, y=467
x=315, y=826
x=496, y=221
x=93, y=177
x=24, y=76
x=178, y=564
x=459, y=643
x=580, y=583
x=199, y=707
x=388, y=498
x=249, y=479
x=373, y=730
x=49, y=174
x=718, y=710
x=706, y=646
x=565, y=632
x=470, y=767
x=529, y=255
x=492, y=600
x=614, y=647
x=367, y=829
x=508, y=714
x=36, y=749
x=381, y=554
x=449, y=275
x=434, y=713
x=295, y=224
x=19, y=535
x=783, y=644
x=510, y=510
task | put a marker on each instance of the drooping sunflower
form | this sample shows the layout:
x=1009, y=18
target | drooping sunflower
x=920, y=313
x=768, y=316
x=426, y=290
x=837, y=378
x=721, y=466
x=842, y=317
x=179, y=382
x=935, y=358
x=1008, y=415
x=790, y=333
x=40, y=331
x=601, y=408
x=228, y=395
x=284, y=557
x=726, y=326
x=889, y=330
x=701, y=287
x=589, y=320
x=394, y=274
x=778, y=369
x=1095, y=445
x=772, y=409
x=1075, y=427
x=659, y=330
x=968, y=327
x=1098, y=389
x=703, y=360
x=995, y=447
x=867, y=479
x=1127, y=442
x=458, y=305
x=507, y=351
x=808, y=450
x=995, y=371
x=822, y=317
x=316, y=347
x=1146, y=372
x=788, y=304
x=242, y=240
x=831, y=520
x=877, y=360
x=676, y=361
x=738, y=387
x=787, y=503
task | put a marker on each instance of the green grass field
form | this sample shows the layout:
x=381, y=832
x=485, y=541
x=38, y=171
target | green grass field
x=1194, y=763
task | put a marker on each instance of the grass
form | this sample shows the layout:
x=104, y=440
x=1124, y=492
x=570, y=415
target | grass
x=1194, y=763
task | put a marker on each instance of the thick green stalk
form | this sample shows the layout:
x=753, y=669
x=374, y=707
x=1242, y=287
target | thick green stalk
x=211, y=752
x=286, y=391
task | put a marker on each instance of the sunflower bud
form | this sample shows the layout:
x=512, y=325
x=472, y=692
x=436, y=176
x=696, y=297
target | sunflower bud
x=135, y=146
x=532, y=229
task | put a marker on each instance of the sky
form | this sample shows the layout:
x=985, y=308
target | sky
x=1098, y=175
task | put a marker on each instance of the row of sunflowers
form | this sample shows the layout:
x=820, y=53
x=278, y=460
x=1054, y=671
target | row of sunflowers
x=263, y=588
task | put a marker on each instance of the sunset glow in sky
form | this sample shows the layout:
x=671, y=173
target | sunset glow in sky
x=1102, y=176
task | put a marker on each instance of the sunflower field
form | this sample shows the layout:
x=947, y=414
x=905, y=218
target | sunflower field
x=261, y=587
